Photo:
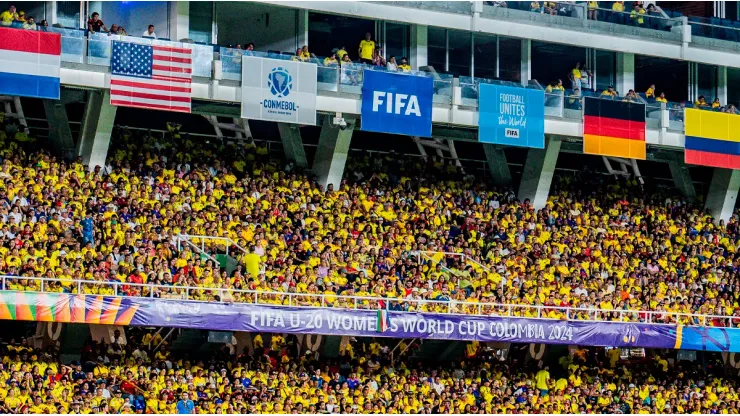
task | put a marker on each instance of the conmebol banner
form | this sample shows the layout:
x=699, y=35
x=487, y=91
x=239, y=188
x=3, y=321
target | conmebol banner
x=111, y=310
x=277, y=90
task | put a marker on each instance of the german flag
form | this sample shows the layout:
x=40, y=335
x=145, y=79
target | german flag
x=614, y=128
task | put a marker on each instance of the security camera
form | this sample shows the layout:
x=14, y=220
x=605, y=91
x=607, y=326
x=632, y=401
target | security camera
x=340, y=122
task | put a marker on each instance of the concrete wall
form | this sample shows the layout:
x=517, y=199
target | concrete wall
x=269, y=27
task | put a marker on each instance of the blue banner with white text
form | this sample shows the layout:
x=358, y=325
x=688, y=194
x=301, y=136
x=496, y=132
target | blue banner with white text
x=511, y=116
x=397, y=103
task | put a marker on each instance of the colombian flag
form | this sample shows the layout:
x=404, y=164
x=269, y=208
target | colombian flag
x=614, y=128
x=712, y=139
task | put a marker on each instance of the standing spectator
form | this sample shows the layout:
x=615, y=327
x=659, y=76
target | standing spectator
x=95, y=23
x=404, y=66
x=185, y=406
x=341, y=52
x=366, y=49
x=593, y=10
x=9, y=16
x=149, y=33
x=650, y=93
x=637, y=15
x=575, y=76
x=29, y=24
x=617, y=10
x=392, y=65
x=378, y=59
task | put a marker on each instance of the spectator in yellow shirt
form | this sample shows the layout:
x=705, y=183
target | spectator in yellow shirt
x=9, y=16
x=609, y=92
x=593, y=12
x=716, y=104
x=661, y=98
x=404, y=66
x=650, y=93
x=366, y=49
x=617, y=12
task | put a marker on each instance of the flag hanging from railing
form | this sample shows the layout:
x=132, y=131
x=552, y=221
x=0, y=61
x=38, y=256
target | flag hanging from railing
x=151, y=76
x=383, y=320
x=614, y=128
x=30, y=63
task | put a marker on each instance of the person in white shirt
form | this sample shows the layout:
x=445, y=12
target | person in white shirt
x=149, y=33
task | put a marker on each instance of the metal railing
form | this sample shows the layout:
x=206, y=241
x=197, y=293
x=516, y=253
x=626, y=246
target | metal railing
x=290, y=299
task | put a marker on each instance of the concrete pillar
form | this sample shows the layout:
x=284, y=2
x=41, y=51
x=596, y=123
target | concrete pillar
x=97, y=125
x=331, y=154
x=290, y=135
x=60, y=135
x=723, y=193
x=179, y=20
x=497, y=165
x=539, y=168
x=419, y=41
x=682, y=177
x=625, y=72
x=302, y=29
x=722, y=84
x=50, y=12
x=526, y=64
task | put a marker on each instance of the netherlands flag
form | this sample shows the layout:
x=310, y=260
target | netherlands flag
x=29, y=63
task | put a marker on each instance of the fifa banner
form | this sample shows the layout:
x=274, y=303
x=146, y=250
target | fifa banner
x=397, y=103
x=511, y=116
x=712, y=139
x=111, y=310
x=278, y=90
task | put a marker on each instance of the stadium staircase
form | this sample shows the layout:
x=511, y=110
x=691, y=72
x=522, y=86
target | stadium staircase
x=207, y=246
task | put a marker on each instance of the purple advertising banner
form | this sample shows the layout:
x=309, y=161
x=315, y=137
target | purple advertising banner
x=94, y=309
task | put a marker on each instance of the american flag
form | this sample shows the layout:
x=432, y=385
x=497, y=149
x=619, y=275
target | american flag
x=150, y=76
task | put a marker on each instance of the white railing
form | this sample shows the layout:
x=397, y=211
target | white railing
x=453, y=307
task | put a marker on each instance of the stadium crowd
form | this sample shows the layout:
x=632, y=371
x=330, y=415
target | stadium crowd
x=603, y=244
x=130, y=376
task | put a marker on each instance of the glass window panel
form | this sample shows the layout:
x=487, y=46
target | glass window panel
x=485, y=56
x=460, y=52
x=436, y=52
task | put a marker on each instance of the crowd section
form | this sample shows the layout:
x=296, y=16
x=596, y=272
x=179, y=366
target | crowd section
x=598, y=244
x=130, y=375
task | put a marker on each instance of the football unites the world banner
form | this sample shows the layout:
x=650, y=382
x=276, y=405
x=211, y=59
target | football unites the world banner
x=216, y=316
x=511, y=116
